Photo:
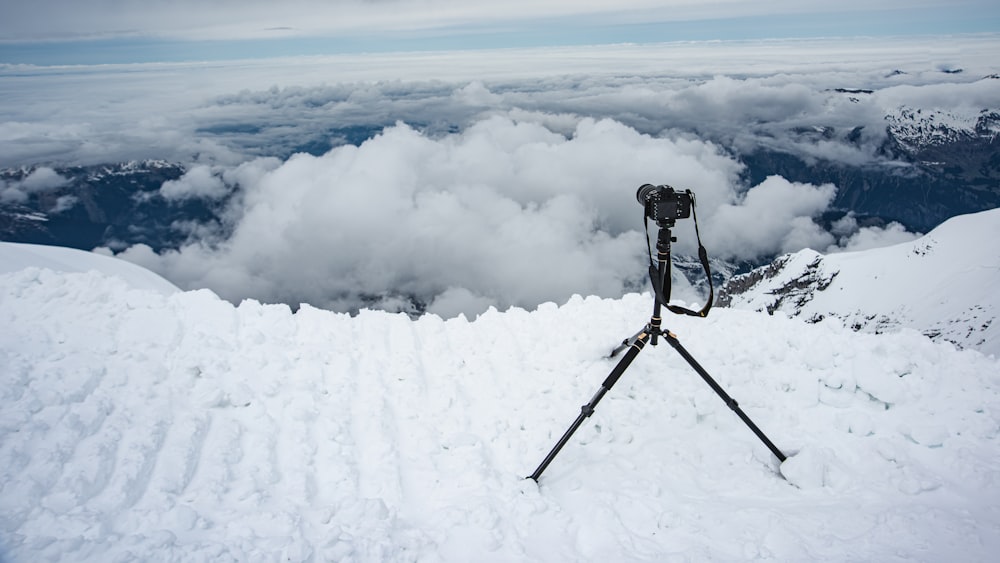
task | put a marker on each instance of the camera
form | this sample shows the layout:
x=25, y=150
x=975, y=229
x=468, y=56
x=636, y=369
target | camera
x=663, y=203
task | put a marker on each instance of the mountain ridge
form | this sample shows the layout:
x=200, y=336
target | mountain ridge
x=939, y=284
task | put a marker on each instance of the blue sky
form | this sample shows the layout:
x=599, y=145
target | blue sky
x=53, y=32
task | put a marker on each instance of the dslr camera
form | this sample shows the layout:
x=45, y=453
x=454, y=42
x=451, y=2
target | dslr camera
x=663, y=203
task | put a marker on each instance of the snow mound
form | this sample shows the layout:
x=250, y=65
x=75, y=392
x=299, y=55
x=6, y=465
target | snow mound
x=141, y=425
x=17, y=256
x=942, y=284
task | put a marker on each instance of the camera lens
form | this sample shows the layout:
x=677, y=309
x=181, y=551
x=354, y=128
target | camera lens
x=644, y=192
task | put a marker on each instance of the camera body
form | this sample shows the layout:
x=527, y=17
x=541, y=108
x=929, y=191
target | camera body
x=663, y=203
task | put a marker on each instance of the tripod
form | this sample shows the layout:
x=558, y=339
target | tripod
x=660, y=276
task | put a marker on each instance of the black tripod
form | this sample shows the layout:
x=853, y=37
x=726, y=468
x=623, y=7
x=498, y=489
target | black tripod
x=650, y=333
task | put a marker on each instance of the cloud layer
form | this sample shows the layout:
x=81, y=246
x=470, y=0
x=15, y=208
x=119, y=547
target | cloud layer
x=740, y=95
x=505, y=213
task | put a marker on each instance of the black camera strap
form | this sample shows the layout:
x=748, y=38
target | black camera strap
x=662, y=289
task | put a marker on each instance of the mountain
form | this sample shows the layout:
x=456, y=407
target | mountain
x=942, y=284
x=114, y=205
x=149, y=425
x=933, y=165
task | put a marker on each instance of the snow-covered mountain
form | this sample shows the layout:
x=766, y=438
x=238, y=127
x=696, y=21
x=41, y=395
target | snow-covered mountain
x=146, y=424
x=918, y=130
x=943, y=284
x=89, y=206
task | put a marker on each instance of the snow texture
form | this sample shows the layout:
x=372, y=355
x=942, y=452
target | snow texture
x=942, y=284
x=139, y=424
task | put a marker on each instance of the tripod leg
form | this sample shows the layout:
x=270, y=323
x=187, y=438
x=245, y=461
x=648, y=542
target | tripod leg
x=730, y=402
x=638, y=342
x=629, y=341
x=652, y=329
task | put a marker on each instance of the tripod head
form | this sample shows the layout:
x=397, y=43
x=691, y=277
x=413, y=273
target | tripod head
x=664, y=205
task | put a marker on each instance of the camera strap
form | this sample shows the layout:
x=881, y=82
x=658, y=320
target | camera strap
x=662, y=289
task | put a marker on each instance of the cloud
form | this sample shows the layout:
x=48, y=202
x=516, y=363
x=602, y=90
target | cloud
x=10, y=194
x=198, y=182
x=852, y=237
x=505, y=213
x=779, y=94
x=65, y=203
x=41, y=179
x=773, y=217
x=455, y=301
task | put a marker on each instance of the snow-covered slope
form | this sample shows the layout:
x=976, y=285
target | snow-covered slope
x=15, y=257
x=141, y=425
x=943, y=284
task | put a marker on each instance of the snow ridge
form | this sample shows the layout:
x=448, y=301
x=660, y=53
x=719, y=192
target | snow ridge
x=940, y=284
x=15, y=257
x=142, y=425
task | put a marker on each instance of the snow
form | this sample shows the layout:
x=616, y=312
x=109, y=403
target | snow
x=942, y=284
x=16, y=256
x=152, y=425
x=919, y=129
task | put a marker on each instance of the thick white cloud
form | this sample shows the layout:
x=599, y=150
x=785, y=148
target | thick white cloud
x=504, y=213
x=853, y=238
x=198, y=182
x=773, y=217
x=41, y=179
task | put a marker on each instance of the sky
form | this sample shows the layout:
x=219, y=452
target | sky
x=53, y=32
